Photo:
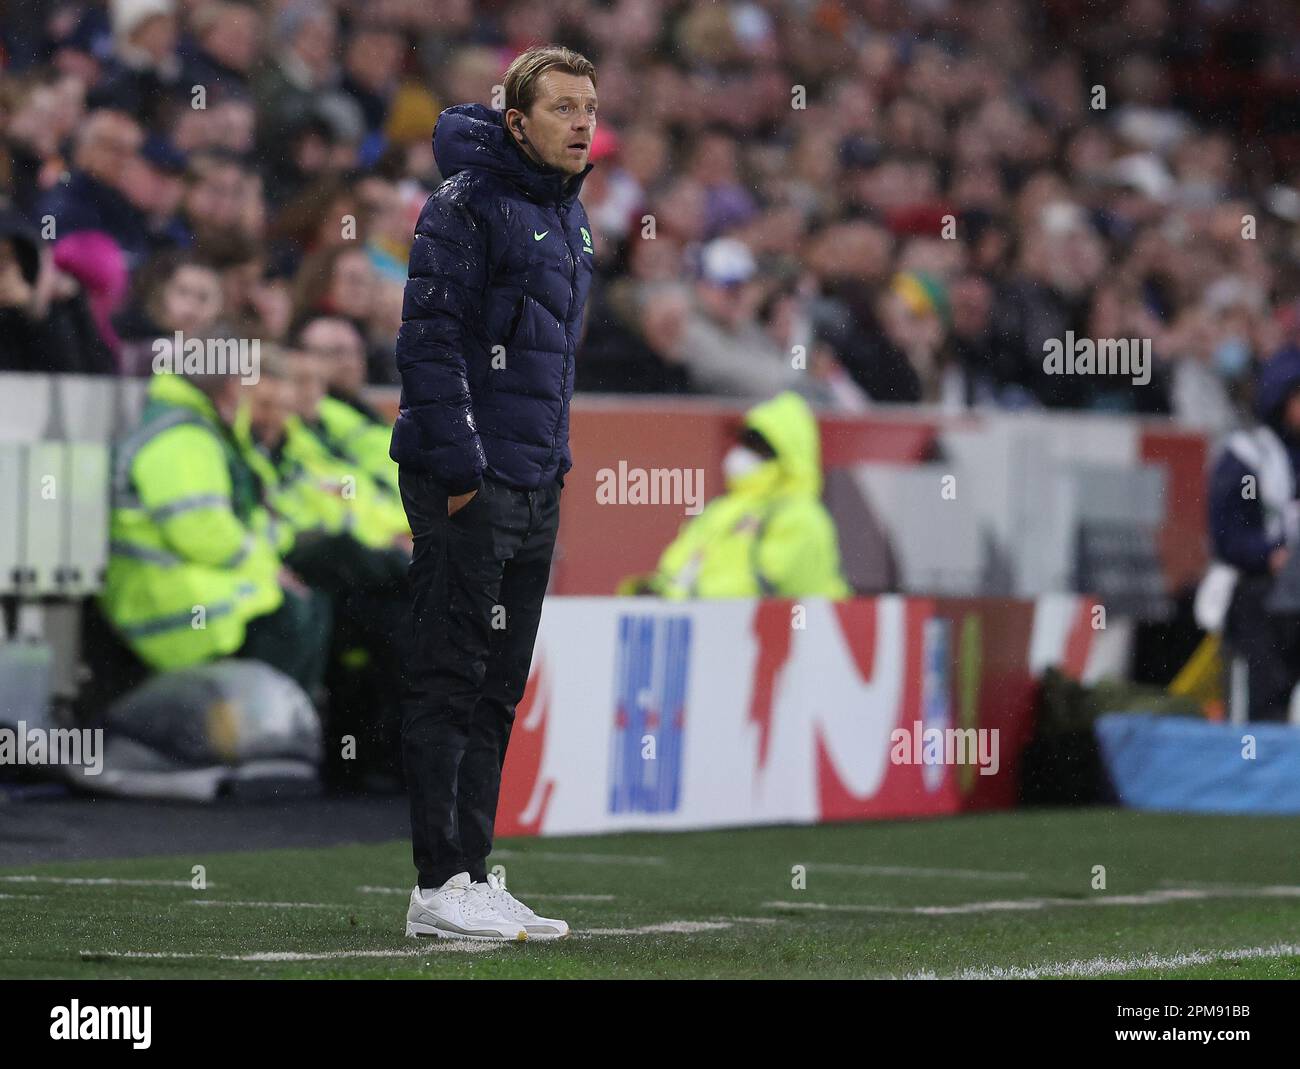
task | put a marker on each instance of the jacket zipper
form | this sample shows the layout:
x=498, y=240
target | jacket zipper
x=573, y=291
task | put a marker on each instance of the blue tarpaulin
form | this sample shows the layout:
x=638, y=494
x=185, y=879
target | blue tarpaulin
x=1198, y=766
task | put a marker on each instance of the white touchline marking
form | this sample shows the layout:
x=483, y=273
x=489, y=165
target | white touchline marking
x=584, y=859
x=553, y=896
x=1146, y=898
x=903, y=870
x=22, y=896
x=448, y=946
x=266, y=905
x=659, y=929
x=102, y=881
x=1103, y=966
x=442, y=946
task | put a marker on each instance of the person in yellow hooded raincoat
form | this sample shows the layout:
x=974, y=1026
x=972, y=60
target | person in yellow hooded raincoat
x=769, y=535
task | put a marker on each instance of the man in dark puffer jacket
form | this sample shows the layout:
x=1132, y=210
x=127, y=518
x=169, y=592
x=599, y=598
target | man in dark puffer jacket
x=499, y=274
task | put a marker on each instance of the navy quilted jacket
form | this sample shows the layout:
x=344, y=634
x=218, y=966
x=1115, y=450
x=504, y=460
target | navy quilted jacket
x=498, y=278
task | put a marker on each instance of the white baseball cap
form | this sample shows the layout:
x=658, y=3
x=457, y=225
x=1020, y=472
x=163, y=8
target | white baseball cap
x=726, y=261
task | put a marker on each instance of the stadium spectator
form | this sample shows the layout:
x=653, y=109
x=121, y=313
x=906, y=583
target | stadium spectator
x=43, y=112
x=93, y=196
x=225, y=36
x=372, y=60
x=142, y=76
x=156, y=186
x=301, y=66
x=217, y=187
x=634, y=340
x=176, y=291
x=724, y=348
x=46, y=323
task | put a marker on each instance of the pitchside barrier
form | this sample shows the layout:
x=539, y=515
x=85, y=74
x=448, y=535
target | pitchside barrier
x=645, y=714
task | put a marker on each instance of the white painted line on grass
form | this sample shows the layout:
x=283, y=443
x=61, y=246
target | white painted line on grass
x=1014, y=905
x=674, y=927
x=1105, y=966
x=580, y=859
x=562, y=897
x=554, y=897
x=750, y=920
x=266, y=905
x=102, y=881
x=441, y=946
x=903, y=870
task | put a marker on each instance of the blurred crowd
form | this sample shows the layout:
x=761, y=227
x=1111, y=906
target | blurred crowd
x=864, y=201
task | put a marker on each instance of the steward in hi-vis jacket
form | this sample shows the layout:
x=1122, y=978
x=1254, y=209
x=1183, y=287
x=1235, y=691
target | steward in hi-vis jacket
x=769, y=534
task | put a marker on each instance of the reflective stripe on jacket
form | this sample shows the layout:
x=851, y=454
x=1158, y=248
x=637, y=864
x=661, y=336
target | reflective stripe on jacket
x=190, y=562
x=313, y=490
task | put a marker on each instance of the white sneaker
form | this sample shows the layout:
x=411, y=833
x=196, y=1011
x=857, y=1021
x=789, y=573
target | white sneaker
x=508, y=906
x=454, y=911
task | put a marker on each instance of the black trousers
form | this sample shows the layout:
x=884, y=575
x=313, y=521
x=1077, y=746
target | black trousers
x=477, y=583
x=1269, y=643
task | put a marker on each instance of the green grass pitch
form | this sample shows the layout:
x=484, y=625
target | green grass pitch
x=985, y=895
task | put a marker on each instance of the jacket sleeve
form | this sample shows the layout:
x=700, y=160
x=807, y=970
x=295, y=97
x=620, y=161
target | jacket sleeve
x=445, y=287
x=1236, y=520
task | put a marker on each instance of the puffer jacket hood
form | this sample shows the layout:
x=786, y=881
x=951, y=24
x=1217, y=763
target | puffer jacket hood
x=790, y=428
x=474, y=135
x=1277, y=380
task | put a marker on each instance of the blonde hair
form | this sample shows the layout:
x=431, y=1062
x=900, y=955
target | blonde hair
x=523, y=75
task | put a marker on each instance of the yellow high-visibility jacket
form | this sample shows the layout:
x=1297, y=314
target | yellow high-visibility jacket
x=191, y=554
x=358, y=437
x=769, y=534
x=312, y=489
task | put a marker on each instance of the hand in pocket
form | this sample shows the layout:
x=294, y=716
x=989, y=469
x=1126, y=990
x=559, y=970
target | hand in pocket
x=459, y=501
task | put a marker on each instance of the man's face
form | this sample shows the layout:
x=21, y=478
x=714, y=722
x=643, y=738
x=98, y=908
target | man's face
x=309, y=376
x=233, y=38
x=156, y=36
x=216, y=200
x=269, y=407
x=191, y=299
x=732, y=305
x=561, y=123
x=373, y=56
x=110, y=149
x=342, y=350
